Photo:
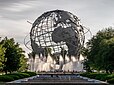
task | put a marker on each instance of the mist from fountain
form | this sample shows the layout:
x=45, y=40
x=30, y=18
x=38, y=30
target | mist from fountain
x=49, y=64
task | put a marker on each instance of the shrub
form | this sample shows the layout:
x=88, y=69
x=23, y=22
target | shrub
x=21, y=75
x=92, y=75
x=30, y=73
x=6, y=78
x=85, y=74
x=110, y=76
x=111, y=81
x=15, y=76
x=18, y=74
x=25, y=75
x=101, y=77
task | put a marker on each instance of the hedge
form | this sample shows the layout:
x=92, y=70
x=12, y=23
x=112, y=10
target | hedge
x=5, y=78
x=111, y=81
x=30, y=73
x=100, y=76
x=16, y=76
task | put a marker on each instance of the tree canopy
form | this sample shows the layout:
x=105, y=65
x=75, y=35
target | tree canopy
x=2, y=58
x=100, y=50
x=11, y=55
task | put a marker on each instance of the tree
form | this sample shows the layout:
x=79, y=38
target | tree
x=23, y=63
x=2, y=59
x=84, y=52
x=107, y=54
x=13, y=54
x=100, y=50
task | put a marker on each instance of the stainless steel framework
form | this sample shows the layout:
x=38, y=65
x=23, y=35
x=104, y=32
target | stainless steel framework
x=57, y=29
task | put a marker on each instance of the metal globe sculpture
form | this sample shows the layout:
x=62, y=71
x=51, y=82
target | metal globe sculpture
x=58, y=30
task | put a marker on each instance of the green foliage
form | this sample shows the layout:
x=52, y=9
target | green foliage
x=84, y=51
x=2, y=59
x=11, y=56
x=111, y=81
x=109, y=76
x=92, y=75
x=100, y=76
x=100, y=50
x=30, y=73
x=23, y=63
x=6, y=78
x=86, y=66
x=15, y=76
x=21, y=75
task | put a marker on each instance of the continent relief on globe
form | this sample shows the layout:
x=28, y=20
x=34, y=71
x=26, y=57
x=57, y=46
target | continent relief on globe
x=67, y=35
x=63, y=34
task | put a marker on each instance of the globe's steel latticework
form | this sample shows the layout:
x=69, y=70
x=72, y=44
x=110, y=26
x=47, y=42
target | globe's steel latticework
x=56, y=30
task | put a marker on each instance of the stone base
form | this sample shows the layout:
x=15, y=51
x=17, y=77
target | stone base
x=57, y=79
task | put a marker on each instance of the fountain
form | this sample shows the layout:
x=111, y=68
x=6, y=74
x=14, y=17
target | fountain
x=56, y=38
x=70, y=66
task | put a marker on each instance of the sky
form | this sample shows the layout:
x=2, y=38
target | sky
x=14, y=14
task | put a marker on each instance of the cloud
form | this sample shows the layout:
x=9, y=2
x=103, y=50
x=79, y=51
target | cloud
x=16, y=7
x=14, y=14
